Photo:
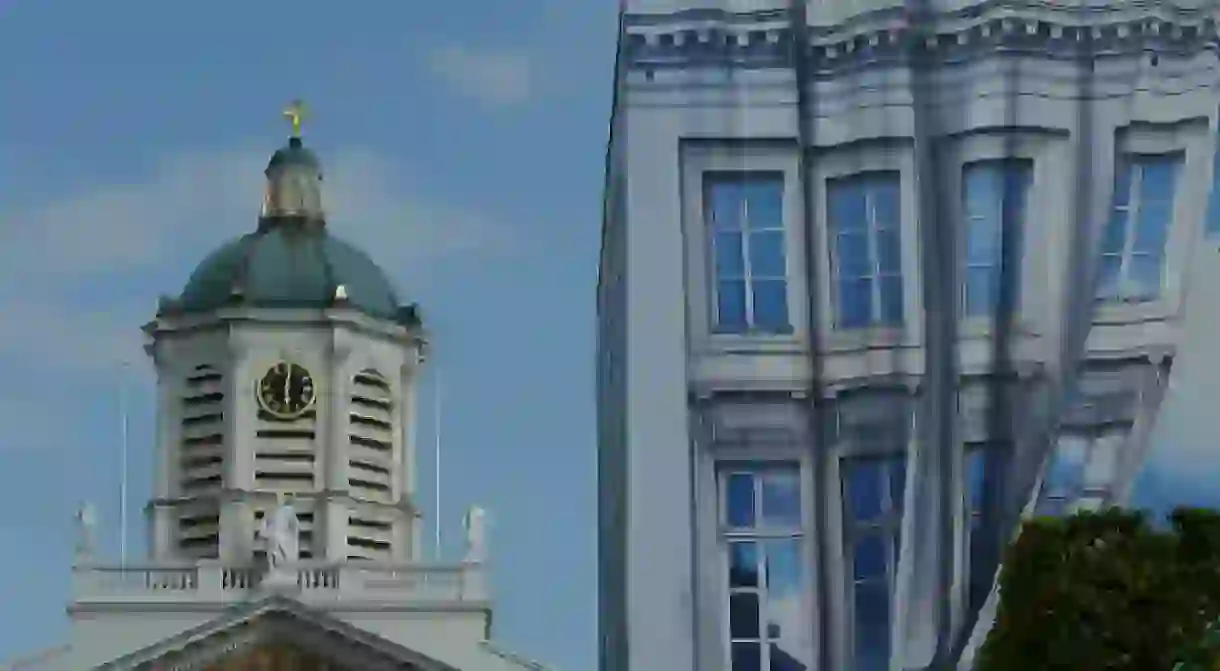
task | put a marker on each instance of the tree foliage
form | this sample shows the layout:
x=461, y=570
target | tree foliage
x=1108, y=591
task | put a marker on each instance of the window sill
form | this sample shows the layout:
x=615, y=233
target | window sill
x=872, y=337
x=1115, y=312
x=756, y=342
x=983, y=328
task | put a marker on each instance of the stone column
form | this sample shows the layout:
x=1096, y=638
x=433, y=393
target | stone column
x=166, y=462
x=334, y=409
x=236, y=542
x=407, y=531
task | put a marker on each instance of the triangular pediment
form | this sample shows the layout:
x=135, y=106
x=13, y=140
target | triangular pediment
x=276, y=634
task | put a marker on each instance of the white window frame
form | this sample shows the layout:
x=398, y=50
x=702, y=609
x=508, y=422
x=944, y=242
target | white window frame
x=748, y=276
x=1191, y=187
x=1044, y=230
x=714, y=552
x=1137, y=166
x=875, y=271
x=970, y=221
x=698, y=158
x=889, y=526
x=845, y=162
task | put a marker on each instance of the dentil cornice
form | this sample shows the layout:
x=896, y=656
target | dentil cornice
x=893, y=35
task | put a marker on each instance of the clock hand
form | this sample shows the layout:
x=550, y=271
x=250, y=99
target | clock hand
x=287, y=388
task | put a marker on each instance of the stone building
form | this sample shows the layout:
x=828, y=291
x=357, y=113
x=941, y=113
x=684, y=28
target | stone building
x=876, y=278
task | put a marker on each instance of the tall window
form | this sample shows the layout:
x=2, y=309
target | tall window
x=993, y=195
x=762, y=532
x=864, y=218
x=1133, y=247
x=872, y=497
x=980, y=561
x=745, y=217
x=1212, y=226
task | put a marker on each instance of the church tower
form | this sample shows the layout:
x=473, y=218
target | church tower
x=286, y=370
x=283, y=527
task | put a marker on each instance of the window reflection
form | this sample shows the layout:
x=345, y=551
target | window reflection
x=745, y=222
x=872, y=527
x=994, y=194
x=767, y=576
x=1133, y=249
x=864, y=214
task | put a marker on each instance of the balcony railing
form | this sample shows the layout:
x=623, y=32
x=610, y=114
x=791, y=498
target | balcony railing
x=316, y=582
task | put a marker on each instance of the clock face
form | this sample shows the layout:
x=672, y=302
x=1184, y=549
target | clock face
x=286, y=391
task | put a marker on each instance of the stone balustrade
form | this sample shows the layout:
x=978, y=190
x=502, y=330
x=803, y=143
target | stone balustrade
x=317, y=583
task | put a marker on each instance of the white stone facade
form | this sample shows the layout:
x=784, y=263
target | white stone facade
x=1080, y=97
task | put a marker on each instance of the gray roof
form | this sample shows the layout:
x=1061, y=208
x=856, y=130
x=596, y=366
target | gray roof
x=289, y=266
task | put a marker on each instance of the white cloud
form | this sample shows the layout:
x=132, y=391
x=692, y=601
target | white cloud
x=80, y=274
x=497, y=78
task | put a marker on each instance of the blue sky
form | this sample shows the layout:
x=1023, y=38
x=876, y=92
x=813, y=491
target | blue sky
x=464, y=150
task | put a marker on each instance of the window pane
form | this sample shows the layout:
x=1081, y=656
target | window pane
x=743, y=564
x=891, y=300
x=1144, y=276
x=786, y=621
x=731, y=306
x=982, y=196
x=872, y=605
x=982, y=290
x=1115, y=236
x=885, y=200
x=747, y=657
x=1109, y=275
x=898, y=481
x=765, y=203
x=724, y=204
x=771, y=305
x=1156, y=182
x=739, y=500
x=983, y=240
x=1151, y=226
x=1212, y=226
x=1103, y=460
x=868, y=558
x=743, y=615
x=1122, y=182
x=730, y=262
x=864, y=489
x=1068, y=465
x=853, y=259
x=846, y=206
x=889, y=250
x=767, y=254
x=975, y=471
x=855, y=302
x=781, y=499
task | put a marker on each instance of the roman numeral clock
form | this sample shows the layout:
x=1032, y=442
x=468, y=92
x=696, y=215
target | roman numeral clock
x=286, y=391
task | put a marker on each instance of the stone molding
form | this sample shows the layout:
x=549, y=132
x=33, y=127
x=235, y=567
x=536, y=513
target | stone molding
x=890, y=36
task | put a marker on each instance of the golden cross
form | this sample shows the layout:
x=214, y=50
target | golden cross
x=294, y=113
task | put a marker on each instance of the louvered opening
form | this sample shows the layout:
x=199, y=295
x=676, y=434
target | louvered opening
x=369, y=537
x=199, y=530
x=201, y=457
x=285, y=452
x=371, y=436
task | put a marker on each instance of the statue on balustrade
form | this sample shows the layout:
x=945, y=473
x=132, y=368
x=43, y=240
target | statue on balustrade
x=86, y=529
x=281, y=532
x=475, y=523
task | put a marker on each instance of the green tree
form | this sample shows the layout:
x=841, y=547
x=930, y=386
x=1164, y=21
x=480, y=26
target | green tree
x=1108, y=591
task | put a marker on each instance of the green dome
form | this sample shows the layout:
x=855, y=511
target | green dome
x=288, y=266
